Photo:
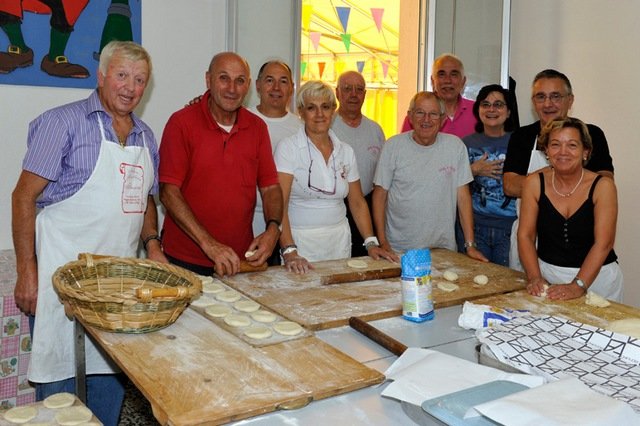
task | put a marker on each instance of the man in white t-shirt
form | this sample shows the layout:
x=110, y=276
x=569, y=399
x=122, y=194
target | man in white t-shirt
x=364, y=135
x=275, y=87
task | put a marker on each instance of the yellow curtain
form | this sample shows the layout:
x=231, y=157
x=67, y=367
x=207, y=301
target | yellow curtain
x=381, y=105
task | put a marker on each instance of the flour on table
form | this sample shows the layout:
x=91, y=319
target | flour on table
x=447, y=286
x=59, y=400
x=288, y=328
x=217, y=310
x=21, y=414
x=481, y=279
x=357, y=263
x=264, y=316
x=75, y=415
x=258, y=332
x=450, y=275
x=628, y=327
x=237, y=320
x=594, y=299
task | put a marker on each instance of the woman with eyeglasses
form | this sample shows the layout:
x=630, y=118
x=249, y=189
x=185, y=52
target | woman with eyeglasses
x=573, y=212
x=317, y=172
x=493, y=212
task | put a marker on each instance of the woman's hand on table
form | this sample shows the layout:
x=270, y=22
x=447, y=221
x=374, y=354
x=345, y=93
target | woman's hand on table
x=296, y=263
x=537, y=286
x=565, y=291
x=476, y=254
x=377, y=252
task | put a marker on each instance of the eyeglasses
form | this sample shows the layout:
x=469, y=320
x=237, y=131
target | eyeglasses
x=554, y=97
x=348, y=88
x=420, y=114
x=496, y=104
x=335, y=175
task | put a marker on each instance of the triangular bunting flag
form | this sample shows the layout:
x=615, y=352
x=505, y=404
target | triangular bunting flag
x=360, y=65
x=306, y=16
x=346, y=39
x=385, y=68
x=303, y=68
x=315, y=39
x=377, y=13
x=343, y=14
x=321, y=68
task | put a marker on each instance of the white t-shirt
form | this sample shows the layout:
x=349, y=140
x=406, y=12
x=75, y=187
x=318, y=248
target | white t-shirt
x=279, y=128
x=309, y=207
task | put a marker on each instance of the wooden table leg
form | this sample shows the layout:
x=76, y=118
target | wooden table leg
x=81, y=366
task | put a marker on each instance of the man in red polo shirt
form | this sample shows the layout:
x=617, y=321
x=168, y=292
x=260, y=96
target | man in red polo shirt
x=213, y=155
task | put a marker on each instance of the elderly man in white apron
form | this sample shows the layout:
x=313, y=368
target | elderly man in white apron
x=103, y=207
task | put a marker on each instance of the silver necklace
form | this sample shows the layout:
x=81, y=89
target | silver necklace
x=553, y=184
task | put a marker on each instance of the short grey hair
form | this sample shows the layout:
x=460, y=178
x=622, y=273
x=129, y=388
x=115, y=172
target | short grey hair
x=315, y=89
x=426, y=95
x=127, y=49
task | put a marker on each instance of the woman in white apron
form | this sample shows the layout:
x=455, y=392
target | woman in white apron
x=317, y=172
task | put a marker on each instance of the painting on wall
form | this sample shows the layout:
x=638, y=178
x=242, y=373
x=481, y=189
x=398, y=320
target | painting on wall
x=58, y=42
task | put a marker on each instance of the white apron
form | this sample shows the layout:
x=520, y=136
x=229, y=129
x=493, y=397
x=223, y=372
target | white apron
x=607, y=284
x=537, y=161
x=324, y=243
x=105, y=216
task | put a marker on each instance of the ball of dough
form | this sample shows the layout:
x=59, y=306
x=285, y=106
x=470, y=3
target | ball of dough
x=594, y=299
x=264, y=316
x=237, y=320
x=288, y=328
x=481, y=279
x=59, y=400
x=258, y=332
x=21, y=414
x=450, y=275
x=228, y=296
x=217, y=310
x=357, y=263
x=249, y=253
x=73, y=415
x=446, y=286
x=246, y=305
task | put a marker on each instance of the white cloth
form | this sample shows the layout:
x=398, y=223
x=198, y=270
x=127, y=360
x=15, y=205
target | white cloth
x=279, y=128
x=105, y=216
x=310, y=208
x=324, y=243
x=537, y=161
x=366, y=140
x=608, y=283
x=422, y=185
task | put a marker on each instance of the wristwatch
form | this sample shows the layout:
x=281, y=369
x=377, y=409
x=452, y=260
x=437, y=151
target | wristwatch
x=371, y=242
x=277, y=222
x=468, y=244
x=580, y=283
x=288, y=249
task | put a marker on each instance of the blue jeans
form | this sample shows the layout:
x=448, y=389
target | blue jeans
x=494, y=243
x=105, y=392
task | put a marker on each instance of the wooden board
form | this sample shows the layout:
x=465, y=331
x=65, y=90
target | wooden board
x=575, y=309
x=44, y=415
x=194, y=372
x=307, y=301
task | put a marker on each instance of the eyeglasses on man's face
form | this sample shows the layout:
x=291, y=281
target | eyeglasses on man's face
x=555, y=97
x=347, y=88
x=421, y=114
x=495, y=105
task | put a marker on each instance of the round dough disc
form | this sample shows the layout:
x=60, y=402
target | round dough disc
x=73, y=415
x=258, y=332
x=59, y=400
x=212, y=287
x=203, y=302
x=450, y=275
x=481, y=279
x=237, y=320
x=628, y=327
x=264, y=316
x=357, y=263
x=21, y=414
x=217, y=310
x=448, y=287
x=288, y=328
x=228, y=296
x=246, y=306
x=205, y=279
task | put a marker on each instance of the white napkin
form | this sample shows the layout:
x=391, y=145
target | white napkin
x=421, y=374
x=565, y=402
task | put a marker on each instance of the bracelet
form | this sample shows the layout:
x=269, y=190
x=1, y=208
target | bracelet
x=288, y=249
x=277, y=222
x=371, y=242
x=149, y=238
x=468, y=244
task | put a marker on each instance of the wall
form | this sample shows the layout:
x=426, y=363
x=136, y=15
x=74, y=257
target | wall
x=181, y=42
x=592, y=41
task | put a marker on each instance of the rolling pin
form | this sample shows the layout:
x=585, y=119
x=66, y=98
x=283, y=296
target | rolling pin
x=357, y=276
x=147, y=293
x=387, y=342
x=246, y=267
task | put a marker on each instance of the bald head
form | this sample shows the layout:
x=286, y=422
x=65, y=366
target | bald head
x=351, y=91
x=228, y=79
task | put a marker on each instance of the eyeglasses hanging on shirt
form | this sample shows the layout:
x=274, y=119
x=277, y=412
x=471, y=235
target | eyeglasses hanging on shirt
x=335, y=176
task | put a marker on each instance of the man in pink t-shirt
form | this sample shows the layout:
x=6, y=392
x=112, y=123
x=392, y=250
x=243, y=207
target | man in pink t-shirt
x=448, y=80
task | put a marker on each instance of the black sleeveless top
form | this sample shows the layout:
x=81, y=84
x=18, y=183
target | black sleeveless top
x=566, y=242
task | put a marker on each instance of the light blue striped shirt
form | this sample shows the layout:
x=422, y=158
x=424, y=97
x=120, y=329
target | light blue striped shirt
x=64, y=143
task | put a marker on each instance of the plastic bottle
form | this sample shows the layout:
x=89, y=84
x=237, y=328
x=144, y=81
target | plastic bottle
x=417, y=302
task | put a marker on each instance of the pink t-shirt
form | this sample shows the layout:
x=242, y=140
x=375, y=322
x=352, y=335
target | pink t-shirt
x=462, y=124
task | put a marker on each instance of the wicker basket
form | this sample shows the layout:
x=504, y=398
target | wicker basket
x=125, y=295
